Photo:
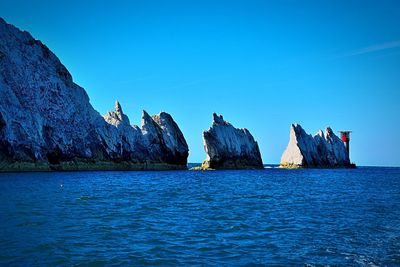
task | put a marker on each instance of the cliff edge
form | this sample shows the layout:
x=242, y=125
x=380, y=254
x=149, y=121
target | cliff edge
x=48, y=123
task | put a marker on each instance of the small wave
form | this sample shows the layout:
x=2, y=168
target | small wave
x=271, y=167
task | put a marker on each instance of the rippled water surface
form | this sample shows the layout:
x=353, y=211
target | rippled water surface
x=272, y=216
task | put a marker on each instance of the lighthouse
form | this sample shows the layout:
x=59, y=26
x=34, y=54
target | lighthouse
x=345, y=136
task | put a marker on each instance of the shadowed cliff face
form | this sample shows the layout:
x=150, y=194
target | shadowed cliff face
x=47, y=121
x=320, y=150
x=230, y=148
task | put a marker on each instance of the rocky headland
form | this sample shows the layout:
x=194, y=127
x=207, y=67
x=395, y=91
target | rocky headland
x=227, y=147
x=48, y=123
x=323, y=150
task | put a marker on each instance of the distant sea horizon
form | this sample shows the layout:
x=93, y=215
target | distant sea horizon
x=272, y=165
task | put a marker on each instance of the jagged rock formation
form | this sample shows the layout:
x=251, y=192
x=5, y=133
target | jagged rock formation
x=227, y=147
x=47, y=121
x=321, y=150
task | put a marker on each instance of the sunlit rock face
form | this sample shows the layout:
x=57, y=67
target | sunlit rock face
x=324, y=149
x=227, y=147
x=47, y=121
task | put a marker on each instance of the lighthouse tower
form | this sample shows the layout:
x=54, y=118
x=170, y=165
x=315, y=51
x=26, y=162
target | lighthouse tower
x=345, y=136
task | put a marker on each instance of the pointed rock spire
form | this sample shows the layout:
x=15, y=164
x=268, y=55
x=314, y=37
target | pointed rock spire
x=328, y=132
x=118, y=108
x=117, y=117
x=218, y=119
x=145, y=116
x=147, y=122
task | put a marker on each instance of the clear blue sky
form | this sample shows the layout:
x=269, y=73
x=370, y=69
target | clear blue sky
x=262, y=64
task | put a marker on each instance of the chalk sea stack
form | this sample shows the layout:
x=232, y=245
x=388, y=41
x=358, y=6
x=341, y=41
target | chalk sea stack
x=323, y=150
x=227, y=147
x=48, y=123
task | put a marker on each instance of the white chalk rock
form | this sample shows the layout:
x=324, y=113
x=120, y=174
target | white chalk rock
x=320, y=150
x=227, y=147
x=47, y=121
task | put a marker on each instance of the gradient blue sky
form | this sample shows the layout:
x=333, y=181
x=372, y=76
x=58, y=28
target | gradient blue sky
x=262, y=64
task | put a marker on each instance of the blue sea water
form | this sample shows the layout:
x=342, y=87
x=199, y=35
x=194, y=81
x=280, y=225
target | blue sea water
x=259, y=217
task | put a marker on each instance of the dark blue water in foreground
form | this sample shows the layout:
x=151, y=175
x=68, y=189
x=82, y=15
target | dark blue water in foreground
x=273, y=216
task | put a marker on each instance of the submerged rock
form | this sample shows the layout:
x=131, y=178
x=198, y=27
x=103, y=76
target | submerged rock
x=227, y=147
x=324, y=149
x=47, y=121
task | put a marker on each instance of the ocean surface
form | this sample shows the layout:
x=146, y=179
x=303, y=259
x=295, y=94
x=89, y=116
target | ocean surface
x=261, y=217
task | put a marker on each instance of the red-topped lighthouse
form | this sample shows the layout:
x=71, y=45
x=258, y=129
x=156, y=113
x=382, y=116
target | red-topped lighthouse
x=345, y=136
